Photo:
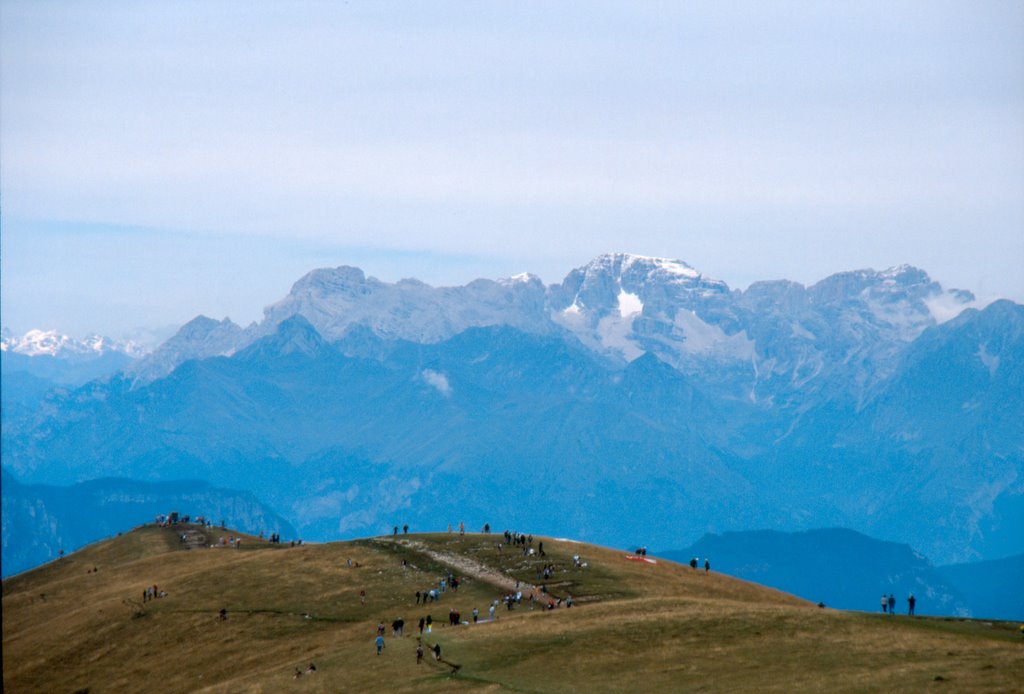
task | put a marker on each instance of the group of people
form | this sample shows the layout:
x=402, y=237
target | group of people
x=889, y=604
x=518, y=539
x=695, y=561
x=168, y=519
x=152, y=593
x=511, y=599
x=419, y=652
x=434, y=594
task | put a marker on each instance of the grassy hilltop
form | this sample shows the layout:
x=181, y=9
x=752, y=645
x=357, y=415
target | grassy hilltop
x=636, y=625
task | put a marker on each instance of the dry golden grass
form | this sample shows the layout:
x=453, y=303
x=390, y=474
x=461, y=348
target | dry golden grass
x=637, y=626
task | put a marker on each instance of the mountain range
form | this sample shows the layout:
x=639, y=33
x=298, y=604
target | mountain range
x=42, y=521
x=636, y=402
x=847, y=570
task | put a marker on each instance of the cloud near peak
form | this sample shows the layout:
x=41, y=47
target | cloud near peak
x=437, y=380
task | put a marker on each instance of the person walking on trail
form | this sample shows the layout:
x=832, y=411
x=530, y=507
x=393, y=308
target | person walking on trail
x=380, y=643
x=884, y=602
x=476, y=613
x=892, y=604
x=911, y=601
x=492, y=611
x=419, y=653
x=437, y=651
x=707, y=565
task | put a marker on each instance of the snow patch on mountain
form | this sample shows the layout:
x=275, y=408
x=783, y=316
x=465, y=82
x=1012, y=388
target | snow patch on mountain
x=991, y=361
x=615, y=336
x=700, y=337
x=629, y=304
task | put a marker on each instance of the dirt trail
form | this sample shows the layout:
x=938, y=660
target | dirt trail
x=471, y=567
x=194, y=538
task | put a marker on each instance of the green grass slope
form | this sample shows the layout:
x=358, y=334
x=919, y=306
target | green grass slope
x=636, y=625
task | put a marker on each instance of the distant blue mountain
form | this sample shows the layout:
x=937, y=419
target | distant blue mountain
x=41, y=520
x=40, y=362
x=841, y=568
x=993, y=589
x=638, y=402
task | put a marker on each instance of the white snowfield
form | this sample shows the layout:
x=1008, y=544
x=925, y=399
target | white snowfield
x=52, y=343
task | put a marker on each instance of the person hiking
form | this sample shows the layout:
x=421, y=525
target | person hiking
x=884, y=602
x=380, y=643
x=476, y=613
x=421, y=625
x=437, y=651
x=911, y=601
x=419, y=653
x=892, y=604
x=707, y=565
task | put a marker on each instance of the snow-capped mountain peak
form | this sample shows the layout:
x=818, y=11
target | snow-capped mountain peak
x=521, y=278
x=52, y=343
x=624, y=305
x=38, y=342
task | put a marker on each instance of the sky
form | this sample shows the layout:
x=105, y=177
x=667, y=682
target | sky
x=159, y=160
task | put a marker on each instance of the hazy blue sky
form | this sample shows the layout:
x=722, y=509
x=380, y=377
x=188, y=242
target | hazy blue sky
x=160, y=160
